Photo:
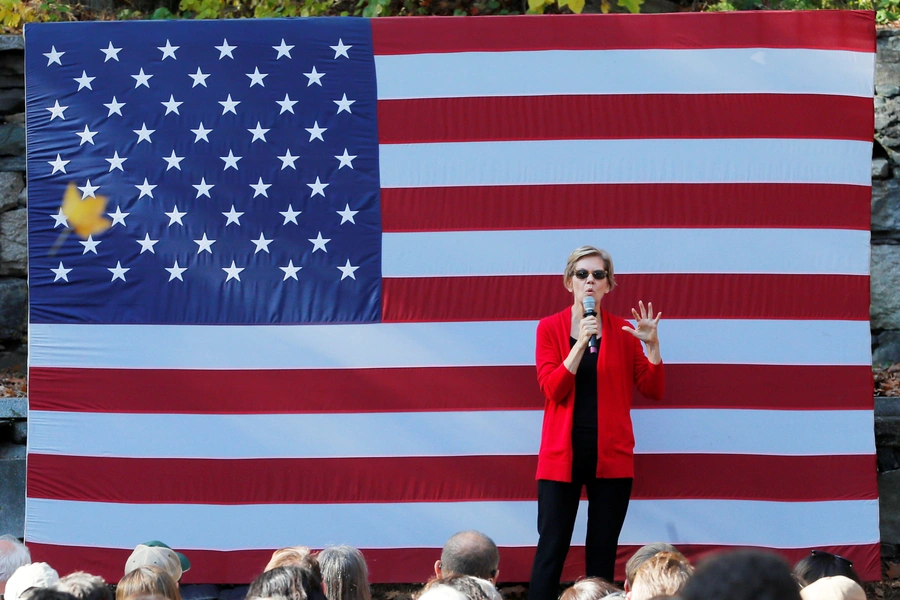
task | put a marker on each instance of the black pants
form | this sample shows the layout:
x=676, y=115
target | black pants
x=557, y=508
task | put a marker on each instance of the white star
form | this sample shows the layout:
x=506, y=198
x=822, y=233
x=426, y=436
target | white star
x=61, y=272
x=175, y=271
x=90, y=245
x=57, y=111
x=344, y=104
x=118, y=216
x=347, y=271
x=172, y=106
x=347, y=214
x=319, y=243
x=175, y=216
x=59, y=164
x=111, y=53
x=88, y=190
x=115, y=107
x=86, y=136
x=141, y=79
x=144, y=134
x=233, y=216
x=199, y=78
x=283, y=50
x=173, y=161
x=287, y=105
x=231, y=161
x=60, y=219
x=203, y=188
x=290, y=215
x=256, y=78
x=315, y=132
x=145, y=188
x=258, y=133
x=118, y=272
x=53, y=57
x=290, y=271
x=229, y=105
x=201, y=133
x=147, y=244
x=115, y=162
x=261, y=244
x=288, y=160
x=318, y=187
x=259, y=188
x=84, y=81
x=168, y=50
x=346, y=160
x=233, y=272
x=225, y=50
x=314, y=77
x=341, y=49
x=205, y=244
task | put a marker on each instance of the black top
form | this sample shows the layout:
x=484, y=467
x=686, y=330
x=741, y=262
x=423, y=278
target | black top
x=584, y=419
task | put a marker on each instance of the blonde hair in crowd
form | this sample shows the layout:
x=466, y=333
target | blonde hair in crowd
x=664, y=574
x=592, y=588
x=582, y=252
x=147, y=581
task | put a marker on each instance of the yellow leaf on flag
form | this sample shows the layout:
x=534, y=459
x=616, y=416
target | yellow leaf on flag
x=85, y=216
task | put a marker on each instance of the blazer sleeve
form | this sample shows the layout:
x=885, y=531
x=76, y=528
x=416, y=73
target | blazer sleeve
x=648, y=378
x=555, y=380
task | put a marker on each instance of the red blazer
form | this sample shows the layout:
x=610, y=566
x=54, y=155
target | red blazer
x=620, y=366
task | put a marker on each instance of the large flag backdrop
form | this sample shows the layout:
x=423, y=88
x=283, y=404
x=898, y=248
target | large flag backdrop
x=312, y=318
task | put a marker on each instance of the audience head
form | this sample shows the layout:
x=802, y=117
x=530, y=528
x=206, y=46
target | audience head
x=287, y=583
x=742, y=575
x=469, y=553
x=641, y=556
x=13, y=554
x=833, y=588
x=182, y=559
x=823, y=564
x=663, y=574
x=154, y=556
x=32, y=575
x=85, y=586
x=344, y=573
x=472, y=588
x=592, y=588
x=42, y=593
x=145, y=581
x=440, y=592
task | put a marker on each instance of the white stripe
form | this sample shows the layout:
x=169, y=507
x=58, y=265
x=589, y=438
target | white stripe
x=489, y=343
x=565, y=72
x=566, y=162
x=538, y=252
x=473, y=433
x=429, y=524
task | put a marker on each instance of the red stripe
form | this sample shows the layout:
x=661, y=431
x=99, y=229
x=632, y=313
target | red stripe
x=402, y=565
x=827, y=30
x=677, y=295
x=637, y=116
x=389, y=390
x=435, y=479
x=812, y=206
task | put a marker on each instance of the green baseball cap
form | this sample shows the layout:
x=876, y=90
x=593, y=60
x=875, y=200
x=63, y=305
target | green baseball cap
x=185, y=563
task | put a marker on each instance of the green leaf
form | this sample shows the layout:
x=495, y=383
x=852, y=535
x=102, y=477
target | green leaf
x=633, y=6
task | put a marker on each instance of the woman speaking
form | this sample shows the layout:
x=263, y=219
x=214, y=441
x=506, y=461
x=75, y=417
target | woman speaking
x=588, y=362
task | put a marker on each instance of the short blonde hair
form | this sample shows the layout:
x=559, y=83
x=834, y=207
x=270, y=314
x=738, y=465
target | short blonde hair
x=147, y=581
x=664, y=574
x=290, y=556
x=592, y=588
x=582, y=252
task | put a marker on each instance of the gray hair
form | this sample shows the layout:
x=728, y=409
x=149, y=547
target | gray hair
x=85, y=586
x=344, y=573
x=470, y=553
x=13, y=554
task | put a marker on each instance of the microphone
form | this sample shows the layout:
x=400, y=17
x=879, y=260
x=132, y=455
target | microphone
x=589, y=311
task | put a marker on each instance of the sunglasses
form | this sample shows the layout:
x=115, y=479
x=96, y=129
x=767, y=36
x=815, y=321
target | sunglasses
x=583, y=274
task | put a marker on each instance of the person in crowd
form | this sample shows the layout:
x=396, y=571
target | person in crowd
x=345, y=575
x=182, y=559
x=587, y=367
x=663, y=574
x=473, y=588
x=440, y=592
x=640, y=557
x=85, y=586
x=46, y=593
x=823, y=564
x=837, y=587
x=286, y=583
x=13, y=554
x=154, y=556
x=148, y=580
x=469, y=553
x=32, y=575
x=742, y=575
x=590, y=588
x=292, y=555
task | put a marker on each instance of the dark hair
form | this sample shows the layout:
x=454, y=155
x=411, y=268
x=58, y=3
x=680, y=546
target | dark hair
x=742, y=575
x=345, y=573
x=42, y=593
x=85, y=586
x=821, y=564
x=289, y=582
x=470, y=553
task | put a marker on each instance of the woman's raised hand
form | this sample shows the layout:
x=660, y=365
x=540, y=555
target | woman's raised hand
x=646, y=324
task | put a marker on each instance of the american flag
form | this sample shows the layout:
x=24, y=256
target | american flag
x=303, y=307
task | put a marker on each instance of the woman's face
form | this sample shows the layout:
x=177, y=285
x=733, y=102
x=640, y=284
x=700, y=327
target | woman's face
x=590, y=286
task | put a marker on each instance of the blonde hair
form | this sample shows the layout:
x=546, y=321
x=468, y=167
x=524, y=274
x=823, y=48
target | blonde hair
x=145, y=581
x=582, y=252
x=592, y=588
x=290, y=556
x=664, y=574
